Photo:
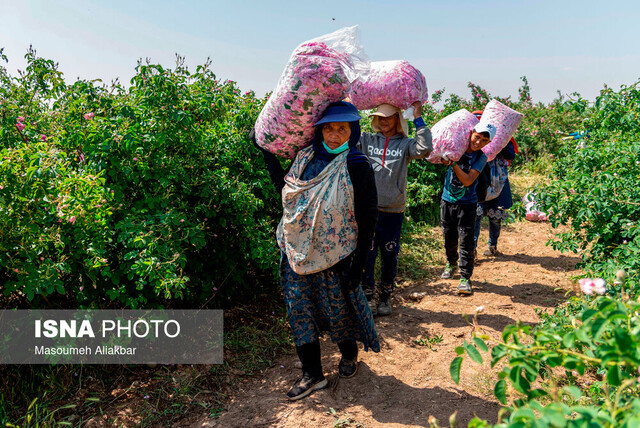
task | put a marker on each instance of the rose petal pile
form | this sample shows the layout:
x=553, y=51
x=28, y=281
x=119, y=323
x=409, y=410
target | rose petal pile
x=590, y=286
x=451, y=136
x=506, y=121
x=313, y=79
x=391, y=82
x=533, y=213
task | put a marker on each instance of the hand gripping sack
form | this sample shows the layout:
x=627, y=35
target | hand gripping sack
x=391, y=82
x=451, y=136
x=319, y=72
x=506, y=121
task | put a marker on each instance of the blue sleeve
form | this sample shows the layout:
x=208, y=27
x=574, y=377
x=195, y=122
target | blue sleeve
x=479, y=164
x=418, y=122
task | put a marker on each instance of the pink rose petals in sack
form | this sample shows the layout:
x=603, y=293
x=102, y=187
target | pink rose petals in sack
x=391, y=82
x=506, y=121
x=451, y=136
x=533, y=213
x=318, y=73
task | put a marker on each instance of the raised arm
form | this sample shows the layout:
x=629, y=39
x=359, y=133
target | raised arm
x=421, y=146
x=275, y=170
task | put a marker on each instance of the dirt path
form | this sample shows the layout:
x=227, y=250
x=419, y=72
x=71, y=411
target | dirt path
x=407, y=381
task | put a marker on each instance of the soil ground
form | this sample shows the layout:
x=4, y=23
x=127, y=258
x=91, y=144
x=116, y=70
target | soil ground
x=409, y=380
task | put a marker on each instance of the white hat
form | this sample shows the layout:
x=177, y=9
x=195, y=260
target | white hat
x=486, y=127
x=386, y=110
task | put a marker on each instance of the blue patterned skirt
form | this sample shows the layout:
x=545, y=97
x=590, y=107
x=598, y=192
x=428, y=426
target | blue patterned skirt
x=315, y=304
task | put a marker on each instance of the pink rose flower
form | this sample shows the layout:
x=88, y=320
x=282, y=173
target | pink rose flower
x=590, y=286
x=72, y=219
x=20, y=126
x=88, y=116
x=43, y=137
x=20, y=119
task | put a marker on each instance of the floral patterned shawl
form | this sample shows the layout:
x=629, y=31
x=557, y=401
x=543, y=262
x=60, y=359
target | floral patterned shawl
x=318, y=226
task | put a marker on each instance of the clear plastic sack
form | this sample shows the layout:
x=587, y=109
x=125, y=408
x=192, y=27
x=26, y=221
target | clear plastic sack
x=506, y=121
x=451, y=136
x=391, y=82
x=319, y=72
x=532, y=211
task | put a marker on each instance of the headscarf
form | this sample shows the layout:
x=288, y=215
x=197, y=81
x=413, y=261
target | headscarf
x=354, y=156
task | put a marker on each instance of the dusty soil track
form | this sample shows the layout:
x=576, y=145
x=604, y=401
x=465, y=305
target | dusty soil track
x=407, y=382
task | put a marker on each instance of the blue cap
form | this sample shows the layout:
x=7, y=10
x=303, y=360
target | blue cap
x=341, y=111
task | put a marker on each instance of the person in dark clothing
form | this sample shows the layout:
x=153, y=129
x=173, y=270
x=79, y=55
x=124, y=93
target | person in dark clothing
x=330, y=209
x=459, y=203
x=498, y=198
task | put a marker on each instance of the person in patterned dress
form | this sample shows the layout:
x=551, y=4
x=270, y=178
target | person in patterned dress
x=329, y=215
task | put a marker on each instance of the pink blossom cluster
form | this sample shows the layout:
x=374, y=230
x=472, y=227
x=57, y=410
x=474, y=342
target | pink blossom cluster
x=391, y=82
x=451, y=136
x=19, y=123
x=532, y=211
x=314, y=78
x=590, y=286
x=506, y=121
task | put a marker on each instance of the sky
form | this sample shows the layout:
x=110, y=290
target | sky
x=560, y=45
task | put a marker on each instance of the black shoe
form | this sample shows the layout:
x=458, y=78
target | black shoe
x=305, y=386
x=384, y=308
x=372, y=304
x=347, y=368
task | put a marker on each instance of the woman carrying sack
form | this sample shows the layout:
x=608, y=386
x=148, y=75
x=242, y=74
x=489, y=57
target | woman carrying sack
x=498, y=198
x=330, y=210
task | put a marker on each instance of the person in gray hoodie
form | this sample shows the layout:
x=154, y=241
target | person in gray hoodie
x=390, y=150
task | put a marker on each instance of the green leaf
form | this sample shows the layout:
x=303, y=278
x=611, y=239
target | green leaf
x=523, y=415
x=454, y=369
x=613, y=375
x=481, y=344
x=497, y=353
x=569, y=339
x=500, y=391
x=520, y=383
x=573, y=390
x=596, y=327
x=473, y=353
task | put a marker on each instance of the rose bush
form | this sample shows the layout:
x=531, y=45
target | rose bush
x=137, y=197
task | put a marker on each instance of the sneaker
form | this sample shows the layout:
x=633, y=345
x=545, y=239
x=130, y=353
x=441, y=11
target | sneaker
x=384, y=308
x=305, y=386
x=449, y=270
x=465, y=286
x=347, y=368
x=490, y=251
x=372, y=304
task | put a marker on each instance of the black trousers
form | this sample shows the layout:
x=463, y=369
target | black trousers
x=309, y=355
x=458, y=222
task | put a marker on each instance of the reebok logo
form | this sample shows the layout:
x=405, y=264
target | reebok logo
x=378, y=151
